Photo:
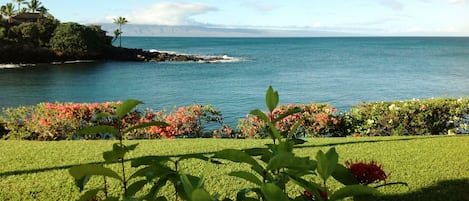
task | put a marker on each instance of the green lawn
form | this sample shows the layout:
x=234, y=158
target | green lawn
x=436, y=168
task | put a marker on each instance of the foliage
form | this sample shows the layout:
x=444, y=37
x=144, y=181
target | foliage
x=272, y=168
x=415, y=117
x=75, y=40
x=316, y=120
x=56, y=121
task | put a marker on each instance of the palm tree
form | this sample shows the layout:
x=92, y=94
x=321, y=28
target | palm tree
x=34, y=5
x=19, y=4
x=120, y=21
x=8, y=10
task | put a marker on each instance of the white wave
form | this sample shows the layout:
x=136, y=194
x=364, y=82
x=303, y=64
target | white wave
x=5, y=66
x=164, y=51
x=222, y=59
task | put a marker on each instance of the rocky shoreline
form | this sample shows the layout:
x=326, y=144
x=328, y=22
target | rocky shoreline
x=23, y=54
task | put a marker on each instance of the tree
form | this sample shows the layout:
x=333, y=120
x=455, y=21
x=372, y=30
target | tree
x=34, y=5
x=19, y=4
x=77, y=41
x=8, y=10
x=120, y=21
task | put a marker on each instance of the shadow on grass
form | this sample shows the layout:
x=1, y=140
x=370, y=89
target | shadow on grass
x=32, y=171
x=448, y=190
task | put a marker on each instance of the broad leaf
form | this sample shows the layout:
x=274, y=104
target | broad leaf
x=309, y=186
x=237, y=156
x=271, y=99
x=246, y=176
x=98, y=129
x=90, y=195
x=148, y=160
x=146, y=125
x=273, y=193
x=126, y=107
x=353, y=190
x=327, y=163
x=89, y=170
x=295, y=127
x=135, y=187
x=241, y=195
x=344, y=175
x=287, y=113
x=117, y=152
x=288, y=160
x=201, y=195
x=259, y=114
x=81, y=182
x=151, y=172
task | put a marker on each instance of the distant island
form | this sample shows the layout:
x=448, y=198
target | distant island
x=31, y=34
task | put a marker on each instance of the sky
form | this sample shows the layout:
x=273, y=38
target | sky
x=370, y=17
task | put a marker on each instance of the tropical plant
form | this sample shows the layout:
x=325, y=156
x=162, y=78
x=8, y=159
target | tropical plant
x=272, y=168
x=8, y=10
x=119, y=21
x=19, y=2
x=34, y=5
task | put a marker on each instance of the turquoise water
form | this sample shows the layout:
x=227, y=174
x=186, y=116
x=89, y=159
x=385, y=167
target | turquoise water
x=339, y=71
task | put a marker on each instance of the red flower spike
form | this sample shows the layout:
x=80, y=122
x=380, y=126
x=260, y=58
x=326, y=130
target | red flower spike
x=367, y=173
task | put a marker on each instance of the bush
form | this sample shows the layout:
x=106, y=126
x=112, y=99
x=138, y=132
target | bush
x=58, y=121
x=316, y=120
x=77, y=41
x=414, y=117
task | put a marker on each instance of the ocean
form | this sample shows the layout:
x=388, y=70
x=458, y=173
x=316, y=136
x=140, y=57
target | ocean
x=342, y=71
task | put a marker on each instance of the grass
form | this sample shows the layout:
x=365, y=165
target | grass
x=436, y=167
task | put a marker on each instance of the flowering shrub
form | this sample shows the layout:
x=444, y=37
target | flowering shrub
x=57, y=121
x=414, y=117
x=317, y=120
x=366, y=172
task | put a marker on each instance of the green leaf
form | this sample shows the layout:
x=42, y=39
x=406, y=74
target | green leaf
x=344, y=175
x=241, y=195
x=309, y=186
x=111, y=199
x=81, y=182
x=287, y=113
x=353, y=190
x=295, y=127
x=89, y=170
x=126, y=107
x=117, y=152
x=273, y=193
x=327, y=163
x=146, y=125
x=201, y=195
x=246, y=176
x=151, y=172
x=259, y=114
x=194, y=156
x=187, y=185
x=237, y=156
x=288, y=160
x=102, y=115
x=271, y=99
x=148, y=160
x=133, y=188
x=90, y=195
x=98, y=129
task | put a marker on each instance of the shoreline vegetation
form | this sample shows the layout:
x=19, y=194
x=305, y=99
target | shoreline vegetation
x=33, y=36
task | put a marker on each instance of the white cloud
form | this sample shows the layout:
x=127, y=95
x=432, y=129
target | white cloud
x=167, y=13
x=457, y=1
x=393, y=4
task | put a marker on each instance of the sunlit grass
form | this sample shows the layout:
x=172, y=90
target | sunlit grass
x=38, y=170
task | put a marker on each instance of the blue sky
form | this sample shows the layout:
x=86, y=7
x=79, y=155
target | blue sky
x=371, y=17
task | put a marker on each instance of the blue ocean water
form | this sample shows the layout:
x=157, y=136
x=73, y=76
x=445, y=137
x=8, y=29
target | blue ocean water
x=339, y=71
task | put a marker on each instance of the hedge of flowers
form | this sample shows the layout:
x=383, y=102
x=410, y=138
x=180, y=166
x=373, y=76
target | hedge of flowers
x=316, y=120
x=413, y=117
x=58, y=121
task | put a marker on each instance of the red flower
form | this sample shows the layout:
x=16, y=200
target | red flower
x=367, y=173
